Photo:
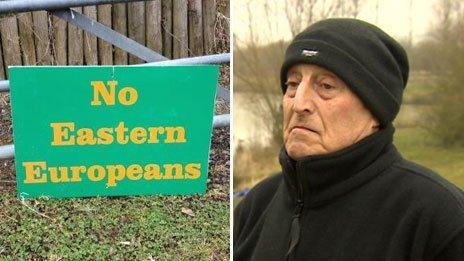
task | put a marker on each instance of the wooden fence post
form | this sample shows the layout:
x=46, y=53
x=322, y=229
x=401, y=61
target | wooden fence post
x=195, y=23
x=209, y=19
x=153, y=26
x=59, y=41
x=26, y=38
x=166, y=24
x=105, y=50
x=2, y=69
x=10, y=42
x=120, y=25
x=180, y=29
x=75, y=42
x=42, y=38
x=136, y=26
x=90, y=41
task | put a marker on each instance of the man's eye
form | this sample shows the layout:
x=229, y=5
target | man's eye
x=327, y=91
x=291, y=84
x=291, y=88
x=327, y=87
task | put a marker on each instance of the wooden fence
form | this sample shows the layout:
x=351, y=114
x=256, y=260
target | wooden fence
x=174, y=28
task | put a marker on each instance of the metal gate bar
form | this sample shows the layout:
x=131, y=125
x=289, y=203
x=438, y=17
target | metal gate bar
x=7, y=151
x=205, y=59
x=223, y=93
x=4, y=86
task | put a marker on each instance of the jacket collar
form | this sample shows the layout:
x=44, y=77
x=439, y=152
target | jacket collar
x=320, y=178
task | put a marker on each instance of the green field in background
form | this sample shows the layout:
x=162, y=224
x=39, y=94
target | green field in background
x=416, y=145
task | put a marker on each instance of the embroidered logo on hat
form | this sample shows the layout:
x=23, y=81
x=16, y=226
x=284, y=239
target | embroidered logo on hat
x=309, y=53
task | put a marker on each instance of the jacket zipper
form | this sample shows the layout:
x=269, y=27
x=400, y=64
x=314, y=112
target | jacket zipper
x=295, y=226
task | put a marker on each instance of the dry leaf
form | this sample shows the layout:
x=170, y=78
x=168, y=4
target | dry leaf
x=188, y=211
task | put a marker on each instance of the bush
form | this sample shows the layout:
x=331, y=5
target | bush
x=445, y=118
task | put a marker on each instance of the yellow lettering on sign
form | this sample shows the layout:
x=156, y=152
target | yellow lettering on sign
x=170, y=131
x=85, y=137
x=105, y=136
x=34, y=173
x=67, y=133
x=115, y=173
x=152, y=171
x=61, y=135
x=121, y=133
x=38, y=172
x=127, y=96
x=62, y=177
x=134, y=172
x=100, y=89
x=96, y=173
x=138, y=135
x=192, y=171
x=76, y=173
x=154, y=132
x=168, y=171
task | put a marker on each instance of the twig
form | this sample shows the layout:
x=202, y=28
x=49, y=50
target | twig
x=178, y=40
x=12, y=219
x=23, y=202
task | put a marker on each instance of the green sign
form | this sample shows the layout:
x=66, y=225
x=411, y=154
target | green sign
x=112, y=130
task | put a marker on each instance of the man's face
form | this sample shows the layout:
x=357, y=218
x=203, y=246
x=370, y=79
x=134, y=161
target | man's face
x=321, y=113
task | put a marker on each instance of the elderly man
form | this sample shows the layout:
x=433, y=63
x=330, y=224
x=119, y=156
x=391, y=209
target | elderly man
x=345, y=193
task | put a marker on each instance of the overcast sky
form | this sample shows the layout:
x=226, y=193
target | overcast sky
x=393, y=17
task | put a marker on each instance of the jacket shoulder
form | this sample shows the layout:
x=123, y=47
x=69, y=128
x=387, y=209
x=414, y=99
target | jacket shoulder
x=440, y=202
x=266, y=187
x=261, y=194
x=254, y=204
x=429, y=184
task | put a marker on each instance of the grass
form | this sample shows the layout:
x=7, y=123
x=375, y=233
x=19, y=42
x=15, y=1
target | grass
x=416, y=145
x=136, y=228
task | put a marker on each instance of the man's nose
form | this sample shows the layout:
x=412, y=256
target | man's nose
x=304, y=98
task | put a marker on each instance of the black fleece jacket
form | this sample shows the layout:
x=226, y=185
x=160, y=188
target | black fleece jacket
x=364, y=202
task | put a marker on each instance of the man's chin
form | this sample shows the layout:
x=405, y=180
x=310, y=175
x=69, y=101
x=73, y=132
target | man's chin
x=299, y=151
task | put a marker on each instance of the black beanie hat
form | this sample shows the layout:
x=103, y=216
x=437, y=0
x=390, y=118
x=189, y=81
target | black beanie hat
x=369, y=61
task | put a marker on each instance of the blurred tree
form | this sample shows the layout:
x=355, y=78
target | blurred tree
x=445, y=119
